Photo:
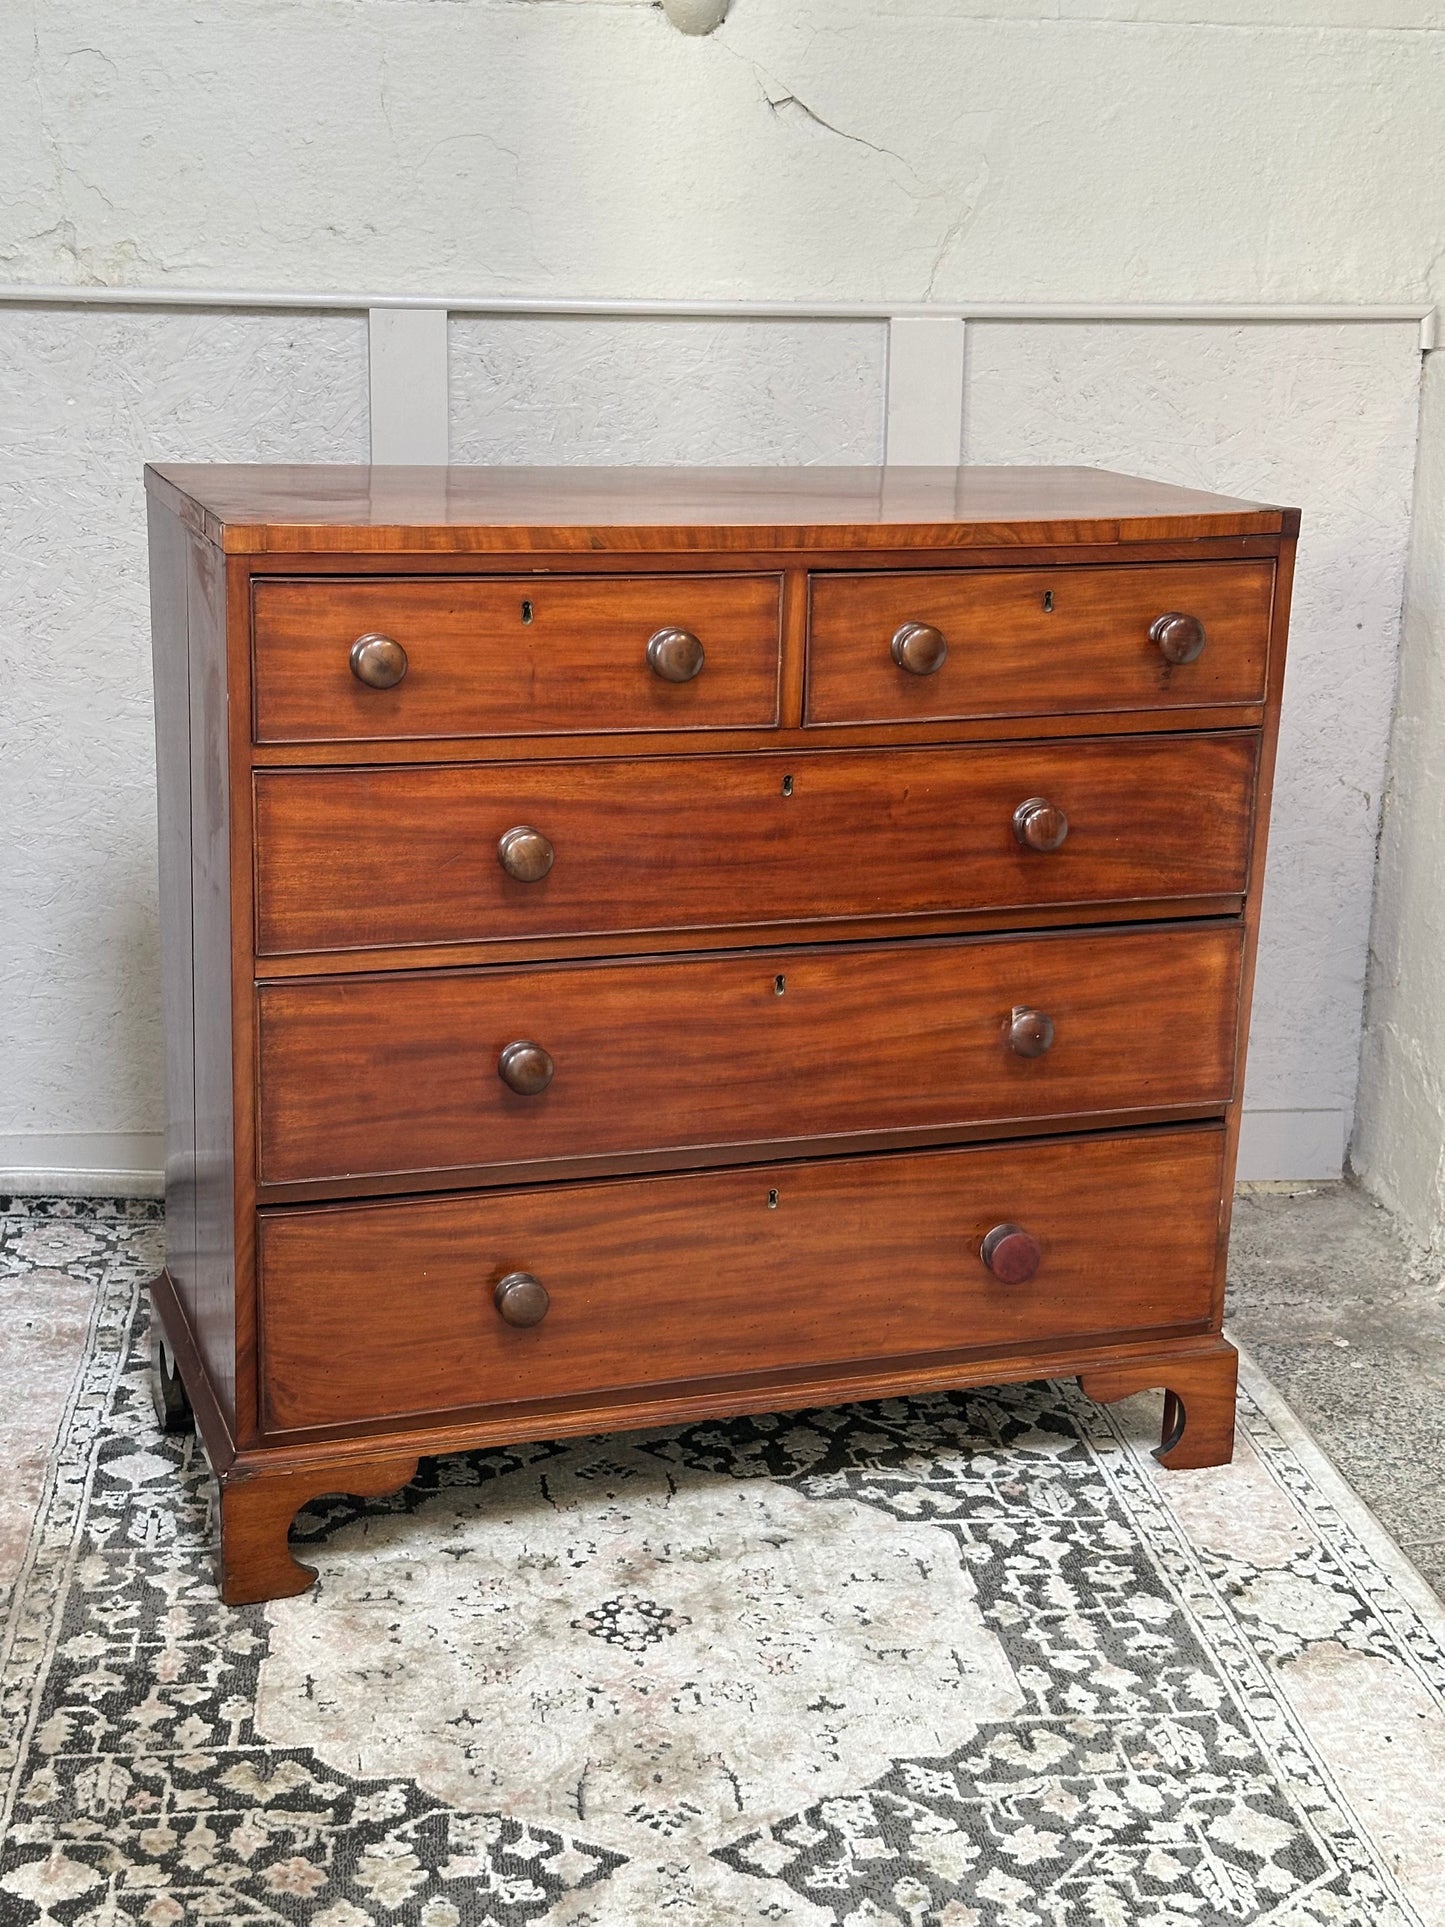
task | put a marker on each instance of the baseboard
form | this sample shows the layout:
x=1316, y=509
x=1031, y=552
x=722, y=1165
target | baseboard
x=1292, y=1145
x=82, y=1164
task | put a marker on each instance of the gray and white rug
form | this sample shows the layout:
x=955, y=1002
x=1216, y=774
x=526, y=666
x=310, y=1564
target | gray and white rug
x=962, y=1661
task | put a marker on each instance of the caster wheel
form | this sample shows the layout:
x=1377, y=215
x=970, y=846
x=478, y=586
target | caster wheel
x=168, y=1395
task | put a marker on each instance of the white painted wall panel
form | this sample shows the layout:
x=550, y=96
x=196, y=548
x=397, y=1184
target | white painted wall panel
x=1323, y=418
x=407, y=373
x=924, y=428
x=85, y=400
x=593, y=391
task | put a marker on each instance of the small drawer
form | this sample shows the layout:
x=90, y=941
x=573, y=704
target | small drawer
x=378, y=1312
x=350, y=859
x=339, y=660
x=457, y=1072
x=946, y=646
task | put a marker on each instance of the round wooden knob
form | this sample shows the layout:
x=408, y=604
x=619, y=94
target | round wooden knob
x=675, y=654
x=1179, y=638
x=919, y=648
x=524, y=853
x=524, y=1067
x=378, y=661
x=1030, y=1032
x=521, y=1299
x=1040, y=824
x=1012, y=1254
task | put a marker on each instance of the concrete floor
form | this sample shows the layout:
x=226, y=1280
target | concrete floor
x=1349, y=1323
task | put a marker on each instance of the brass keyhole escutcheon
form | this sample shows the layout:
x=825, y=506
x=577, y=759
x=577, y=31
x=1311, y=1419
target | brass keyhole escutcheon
x=1048, y=602
x=773, y=1200
x=780, y=984
x=787, y=786
x=526, y=612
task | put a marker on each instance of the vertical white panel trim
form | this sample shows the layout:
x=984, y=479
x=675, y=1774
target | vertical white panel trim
x=408, y=365
x=924, y=422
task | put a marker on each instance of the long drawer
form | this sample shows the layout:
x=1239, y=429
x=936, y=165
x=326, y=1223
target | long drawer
x=376, y=1312
x=513, y=656
x=1033, y=642
x=385, y=1075
x=357, y=858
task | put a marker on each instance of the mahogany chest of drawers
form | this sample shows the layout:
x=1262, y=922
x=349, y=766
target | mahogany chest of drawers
x=647, y=944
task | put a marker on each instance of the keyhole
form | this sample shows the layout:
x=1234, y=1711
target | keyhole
x=780, y=984
x=787, y=786
x=1048, y=602
x=772, y=1201
x=526, y=612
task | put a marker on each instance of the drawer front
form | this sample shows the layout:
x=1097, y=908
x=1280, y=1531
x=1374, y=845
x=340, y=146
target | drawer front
x=354, y=859
x=405, y=1074
x=375, y=1312
x=523, y=656
x=1034, y=642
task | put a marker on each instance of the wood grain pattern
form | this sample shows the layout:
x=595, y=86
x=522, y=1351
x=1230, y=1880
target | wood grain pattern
x=795, y=737
x=170, y=643
x=1199, y=1398
x=1269, y=744
x=168, y=1313
x=253, y=1559
x=399, y=1074
x=207, y=1289
x=518, y=655
x=633, y=943
x=705, y=1235
x=763, y=555
x=740, y=842
x=381, y=1311
x=332, y=1451
x=240, y=1042
x=497, y=511
x=1030, y=641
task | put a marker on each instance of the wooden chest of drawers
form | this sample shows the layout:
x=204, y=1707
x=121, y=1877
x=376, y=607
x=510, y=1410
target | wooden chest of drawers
x=640, y=945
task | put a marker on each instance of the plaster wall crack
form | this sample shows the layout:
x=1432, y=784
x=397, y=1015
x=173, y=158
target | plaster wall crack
x=778, y=102
x=779, y=95
x=954, y=232
x=382, y=78
x=88, y=265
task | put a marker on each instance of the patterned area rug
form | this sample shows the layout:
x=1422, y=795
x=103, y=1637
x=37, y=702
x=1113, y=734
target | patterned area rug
x=962, y=1661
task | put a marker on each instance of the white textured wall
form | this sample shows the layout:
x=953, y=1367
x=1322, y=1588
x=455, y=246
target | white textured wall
x=1106, y=149
x=85, y=399
x=1399, y=1147
x=1268, y=149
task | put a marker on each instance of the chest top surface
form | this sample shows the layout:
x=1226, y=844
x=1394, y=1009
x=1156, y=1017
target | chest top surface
x=323, y=510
